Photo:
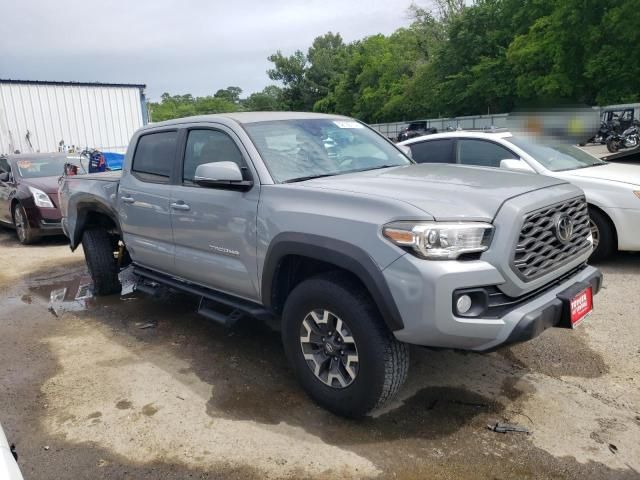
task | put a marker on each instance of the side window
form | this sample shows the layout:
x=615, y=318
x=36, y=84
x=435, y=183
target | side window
x=154, y=156
x=433, y=151
x=206, y=146
x=4, y=165
x=481, y=152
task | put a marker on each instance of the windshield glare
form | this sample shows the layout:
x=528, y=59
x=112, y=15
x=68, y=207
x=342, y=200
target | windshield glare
x=557, y=157
x=42, y=166
x=298, y=149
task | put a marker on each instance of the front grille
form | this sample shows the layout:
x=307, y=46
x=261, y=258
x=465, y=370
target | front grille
x=539, y=250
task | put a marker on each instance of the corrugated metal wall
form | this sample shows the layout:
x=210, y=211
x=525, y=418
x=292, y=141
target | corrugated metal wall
x=35, y=117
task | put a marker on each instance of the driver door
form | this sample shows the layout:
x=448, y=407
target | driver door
x=214, y=228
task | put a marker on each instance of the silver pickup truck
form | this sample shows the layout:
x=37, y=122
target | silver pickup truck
x=319, y=222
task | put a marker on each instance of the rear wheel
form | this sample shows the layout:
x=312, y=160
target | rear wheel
x=99, y=248
x=24, y=232
x=603, y=235
x=340, y=349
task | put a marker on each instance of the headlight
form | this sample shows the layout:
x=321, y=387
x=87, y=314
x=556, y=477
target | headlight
x=440, y=241
x=41, y=198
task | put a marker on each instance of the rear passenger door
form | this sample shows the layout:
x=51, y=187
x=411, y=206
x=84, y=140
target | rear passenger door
x=484, y=153
x=144, y=197
x=215, y=227
x=433, y=151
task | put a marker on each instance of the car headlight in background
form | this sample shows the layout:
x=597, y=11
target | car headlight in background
x=440, y=240
x=40, y=198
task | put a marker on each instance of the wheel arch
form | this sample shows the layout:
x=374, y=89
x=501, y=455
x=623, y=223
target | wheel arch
x=92, y=214
x=288, y=252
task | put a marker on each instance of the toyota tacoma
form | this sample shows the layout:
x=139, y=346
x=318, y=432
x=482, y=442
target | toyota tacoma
x=355, y=250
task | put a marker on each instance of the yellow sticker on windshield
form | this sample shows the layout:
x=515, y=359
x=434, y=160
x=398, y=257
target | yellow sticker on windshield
x=347, y=124
x=24, y=164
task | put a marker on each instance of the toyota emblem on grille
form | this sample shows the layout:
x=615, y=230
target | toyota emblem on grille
x=564, y=228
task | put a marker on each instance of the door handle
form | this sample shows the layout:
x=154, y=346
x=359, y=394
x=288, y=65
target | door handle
x=180, y=206
x=127, y=199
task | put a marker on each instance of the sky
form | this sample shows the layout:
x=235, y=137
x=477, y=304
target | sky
x=188, y=46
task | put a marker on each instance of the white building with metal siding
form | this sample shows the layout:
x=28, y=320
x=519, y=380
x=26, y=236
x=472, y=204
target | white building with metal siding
x=36, y=116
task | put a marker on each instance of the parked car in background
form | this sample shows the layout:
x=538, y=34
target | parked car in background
x=29, y=193
x=355, y=250
x=612, y=189
x=415, y=129
x=8, y=460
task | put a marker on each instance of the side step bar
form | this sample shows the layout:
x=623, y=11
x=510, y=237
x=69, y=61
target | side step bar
x=210, y=300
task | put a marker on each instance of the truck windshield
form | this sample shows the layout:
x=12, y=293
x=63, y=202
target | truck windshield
x=296, y=150
x=557, y=157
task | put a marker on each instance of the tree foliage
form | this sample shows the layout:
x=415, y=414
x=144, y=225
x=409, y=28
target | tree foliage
x=459, y=57
x=177, y=106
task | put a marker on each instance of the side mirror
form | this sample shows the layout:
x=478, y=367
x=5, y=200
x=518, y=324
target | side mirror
x=4, y=177
x=517, y=165
x=221, y=175
x=406, y=150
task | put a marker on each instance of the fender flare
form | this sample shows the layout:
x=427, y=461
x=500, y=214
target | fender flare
x=83, y=209
x=344, y=255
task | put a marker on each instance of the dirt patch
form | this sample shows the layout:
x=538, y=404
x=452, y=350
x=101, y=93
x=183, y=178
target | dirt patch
x=558, y=353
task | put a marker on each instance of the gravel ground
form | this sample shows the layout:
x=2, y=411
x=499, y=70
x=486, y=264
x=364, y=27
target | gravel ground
x=136, y=387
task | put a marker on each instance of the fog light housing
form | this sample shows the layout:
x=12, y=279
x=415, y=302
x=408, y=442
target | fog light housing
x=463, y=304
x=471, y=302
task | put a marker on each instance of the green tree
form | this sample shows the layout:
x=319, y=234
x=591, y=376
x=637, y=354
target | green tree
x=269, y=99
x=178, y=106
x=230, y=94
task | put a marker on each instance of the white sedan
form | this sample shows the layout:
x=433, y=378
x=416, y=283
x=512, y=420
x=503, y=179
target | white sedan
x=612, y=189
x=8, y=467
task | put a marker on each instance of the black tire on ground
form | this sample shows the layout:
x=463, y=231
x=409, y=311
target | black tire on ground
x=98, y=246
x=612, y=146
x=24, y=232
x=383, y=362
x=603, y=235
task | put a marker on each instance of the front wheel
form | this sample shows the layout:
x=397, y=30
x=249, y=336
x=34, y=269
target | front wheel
x=24, y=232
x=612, y=146
x=602, y=234
x=99, y=248
x=340, y=349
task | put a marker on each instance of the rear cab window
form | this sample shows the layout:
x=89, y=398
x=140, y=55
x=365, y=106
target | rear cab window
x=155, y=156
x=433, y=151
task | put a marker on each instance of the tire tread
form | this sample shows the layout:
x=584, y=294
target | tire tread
x=98, y=252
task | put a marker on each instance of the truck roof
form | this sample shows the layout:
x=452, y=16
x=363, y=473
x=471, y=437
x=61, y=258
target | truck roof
x=247, y=117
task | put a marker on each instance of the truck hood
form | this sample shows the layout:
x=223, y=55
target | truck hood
x=615, y=172
x=446, y=192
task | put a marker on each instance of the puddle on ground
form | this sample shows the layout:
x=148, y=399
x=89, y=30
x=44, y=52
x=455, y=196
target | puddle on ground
x=76, y=294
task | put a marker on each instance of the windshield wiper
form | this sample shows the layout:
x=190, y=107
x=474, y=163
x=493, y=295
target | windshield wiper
x=310, y=177
x=356, y=170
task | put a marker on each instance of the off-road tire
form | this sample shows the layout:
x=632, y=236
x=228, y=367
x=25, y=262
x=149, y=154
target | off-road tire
x=24, y=232
x=98, y=246
x=606, y=241
x=383, y=360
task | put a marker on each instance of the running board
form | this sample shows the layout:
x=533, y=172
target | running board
x=150, y=282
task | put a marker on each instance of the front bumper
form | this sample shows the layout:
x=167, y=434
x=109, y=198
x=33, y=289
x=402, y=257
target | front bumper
x=423, y=291
x=45, y=221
